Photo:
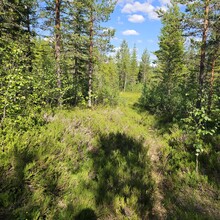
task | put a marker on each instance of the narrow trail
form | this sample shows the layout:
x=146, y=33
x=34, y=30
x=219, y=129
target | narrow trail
x=190, y=199
x=159, y=212
x=155, y=144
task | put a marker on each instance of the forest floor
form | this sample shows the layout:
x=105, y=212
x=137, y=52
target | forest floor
x=154, y=142
x=100, y=163
x=186, y=196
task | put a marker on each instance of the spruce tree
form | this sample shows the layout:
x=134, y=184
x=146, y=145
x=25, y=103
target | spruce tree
x=123, y=57
x=99, y=12
x=134, y=67
x=144, y=68
x=170, y=64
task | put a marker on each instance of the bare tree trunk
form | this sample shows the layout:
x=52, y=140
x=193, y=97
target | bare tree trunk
x=203, y=55
x=91, y=34
x=58, y=44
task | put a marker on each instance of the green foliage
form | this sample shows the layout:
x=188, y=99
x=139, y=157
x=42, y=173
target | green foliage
x=45, y=92
x=187, y=190
x=144, y=68
x=94, y=163
x=167, y=96
x=106, y=84
x=200, y=126
x=133, y=68
x=128, y=69
x=123, y=63
x=16, y=80
x=81, y=163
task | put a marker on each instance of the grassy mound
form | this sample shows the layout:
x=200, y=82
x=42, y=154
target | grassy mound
x=102, y=163
x=83, y=164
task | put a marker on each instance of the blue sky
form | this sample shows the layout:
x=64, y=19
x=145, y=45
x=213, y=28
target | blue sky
x=136, y=21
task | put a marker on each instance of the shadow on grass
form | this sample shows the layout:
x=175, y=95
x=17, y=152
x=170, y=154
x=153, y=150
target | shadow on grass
x=185, y=197
x=188, y=203
x=124, y=176
x=86, y=214
x=12, y=183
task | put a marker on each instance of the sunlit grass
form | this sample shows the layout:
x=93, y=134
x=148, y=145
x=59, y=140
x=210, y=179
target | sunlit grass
x=86, y=164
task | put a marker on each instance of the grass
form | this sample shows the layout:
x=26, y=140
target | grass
x=82, y=163
x=99, y=163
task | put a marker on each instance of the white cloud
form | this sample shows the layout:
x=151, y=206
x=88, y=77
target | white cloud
x=153, y=15
x=135, y=7
x=139, y=41
x=130, y=32
x=146, y=8
x=164, y=2
x=136, y=18
x=124, y=1
x=163, y=8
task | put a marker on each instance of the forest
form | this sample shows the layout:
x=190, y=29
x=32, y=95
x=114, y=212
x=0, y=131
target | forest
x=90, y=132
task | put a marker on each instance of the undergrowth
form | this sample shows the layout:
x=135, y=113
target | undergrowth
x=80, y=164
x=189, y=193
x=95, y=164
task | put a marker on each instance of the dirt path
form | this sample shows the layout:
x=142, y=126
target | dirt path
x=158, y=211
x=193, y=201
x=154, y=143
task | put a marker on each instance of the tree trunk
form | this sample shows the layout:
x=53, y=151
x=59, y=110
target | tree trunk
x=91, y=34
x=203, y=55
x=58, y=45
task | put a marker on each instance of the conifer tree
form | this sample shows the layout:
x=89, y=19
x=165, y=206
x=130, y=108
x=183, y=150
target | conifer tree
x=99, y=12
x=134, y=67
x=144, y=69
x=123, y=58
x=167, y=96
x=198, y=21
x=58, y=42
x=213, y=54
x=76, y=49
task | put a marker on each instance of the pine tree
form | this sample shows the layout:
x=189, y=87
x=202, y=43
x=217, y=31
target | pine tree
x=167, y=97
x=144, y=69
x=123, y=58
x=99, y=12
x=76, y=49
x=58, y=43
x=82, y=32
x=134, y=67
x=213, y=53
x=198, y=21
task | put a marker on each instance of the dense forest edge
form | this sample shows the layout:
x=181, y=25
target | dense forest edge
x=87, y=132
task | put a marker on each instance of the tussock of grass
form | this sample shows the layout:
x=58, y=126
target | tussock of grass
x=100, y=163
x=82, y=163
